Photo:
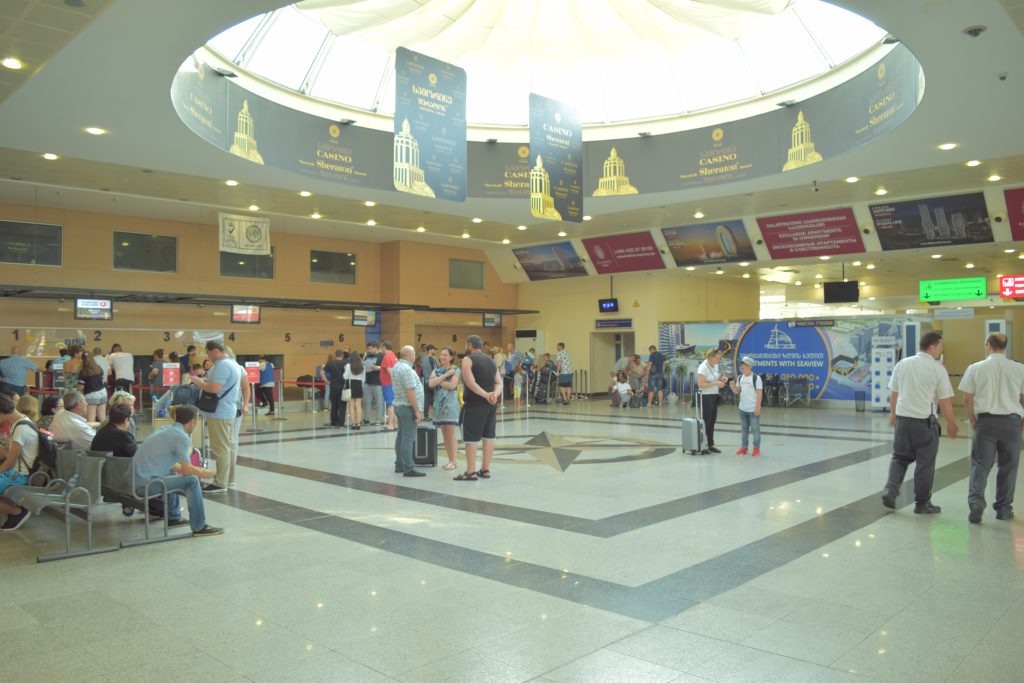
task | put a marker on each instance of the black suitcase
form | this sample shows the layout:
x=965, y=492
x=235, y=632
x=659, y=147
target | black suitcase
x=425, y=454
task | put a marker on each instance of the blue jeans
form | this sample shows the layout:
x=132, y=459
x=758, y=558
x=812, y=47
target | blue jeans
x=193, y=496
x=750, y=422
x=405, y=441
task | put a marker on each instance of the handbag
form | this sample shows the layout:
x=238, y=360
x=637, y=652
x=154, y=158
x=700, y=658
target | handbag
x=208, y=401
x=346, y=393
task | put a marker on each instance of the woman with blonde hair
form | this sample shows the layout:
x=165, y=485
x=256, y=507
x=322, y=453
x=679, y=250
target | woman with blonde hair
x=28, y=406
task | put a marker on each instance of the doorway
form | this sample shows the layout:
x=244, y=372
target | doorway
x=606, y=348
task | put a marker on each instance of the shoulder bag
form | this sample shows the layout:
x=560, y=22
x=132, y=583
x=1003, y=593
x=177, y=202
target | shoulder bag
x=208, y=401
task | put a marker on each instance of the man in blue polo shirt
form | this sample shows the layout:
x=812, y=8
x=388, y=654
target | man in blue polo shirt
x=223, y=380
x=12, y=372
x=165, y=455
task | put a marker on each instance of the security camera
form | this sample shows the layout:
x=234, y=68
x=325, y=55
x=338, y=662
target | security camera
x=975, y=31
x=1003, y=76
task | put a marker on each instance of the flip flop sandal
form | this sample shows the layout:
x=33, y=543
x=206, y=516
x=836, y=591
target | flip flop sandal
x=466, y=476
x=484, y=474
x=450, y=465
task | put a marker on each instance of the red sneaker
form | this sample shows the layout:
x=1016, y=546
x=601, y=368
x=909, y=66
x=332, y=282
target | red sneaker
x=742, y=451
x=757, y=452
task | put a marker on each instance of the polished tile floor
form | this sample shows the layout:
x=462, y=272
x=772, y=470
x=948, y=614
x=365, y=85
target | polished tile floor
x=597, y=552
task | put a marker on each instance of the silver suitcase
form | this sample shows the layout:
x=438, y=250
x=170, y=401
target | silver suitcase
x=695, y=438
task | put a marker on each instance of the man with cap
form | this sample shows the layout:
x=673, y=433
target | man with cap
x=751, y=391
x=992, y=390
x=917, y=384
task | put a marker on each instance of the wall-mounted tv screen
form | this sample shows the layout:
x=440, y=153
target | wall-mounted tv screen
x=94, y=309
x=608, y=305
x=492, y=319
x=364, y=318
x=842, y=292
x=244, y=314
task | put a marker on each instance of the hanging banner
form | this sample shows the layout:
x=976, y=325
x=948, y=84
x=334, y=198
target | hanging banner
x=430, y=127
x=1015, y=212
x=939, y=221
x=550, y=261
x=696, y=245
x=624, y=253
x=556, y=153
x=819, y=233
x=244, y=234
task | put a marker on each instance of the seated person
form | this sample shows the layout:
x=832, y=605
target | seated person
x=165, y=455
x=28, y=406
x=20, y=452
x=70, y=426
x=126, y=399
x=113, y=436
x=51, y=406
x=620, y=391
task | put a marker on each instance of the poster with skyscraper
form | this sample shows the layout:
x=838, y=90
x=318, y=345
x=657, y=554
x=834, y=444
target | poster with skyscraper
x=550, y=261
x=556, y=155
x=430, y=127
x=934, y=222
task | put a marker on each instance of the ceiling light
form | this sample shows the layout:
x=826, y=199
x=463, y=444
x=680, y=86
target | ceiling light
x=305, y=193
x=798, y=283
x=881, y=192
x=968, y=265
x=691, y=267
x=587, y=218
x=315, y=215
x=698, y=214
x=316, y=260
x=93, y=130
x=124, y=244
x=936, y=255
x=994, y=178
x=871, y=266
x=369, y=203
x=351, y=263
x=1009, y=251
x=871, y=298
x=562, y=233
x=421, y=229
x=506, y=241
x=522, y=227
x=817, y=286
x=856, y=263
x=241, y=263
x=946, y=146
x=1021, y=255
x=818, y=276
x=972, y=163
x=764, y=291
x=12, y=63
x=852, y=179
x=719, y=272
x=371, y=222
x=253, y=207
x=744, y=264
x=465, y=235
x=746, y=276
x=50, y=156
x=231, y=183
x=862, y=283
x=824, y=258
x=478, y=220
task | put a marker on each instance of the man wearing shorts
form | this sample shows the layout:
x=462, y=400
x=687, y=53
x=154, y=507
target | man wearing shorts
x=389, y=361
x=564, y=362
x=480, y=398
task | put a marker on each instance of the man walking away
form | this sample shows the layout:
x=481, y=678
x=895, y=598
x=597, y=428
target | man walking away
x=992, y=390
x=918, y=383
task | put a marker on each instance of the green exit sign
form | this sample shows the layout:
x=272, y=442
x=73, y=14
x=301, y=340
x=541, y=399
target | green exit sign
x=957, y=289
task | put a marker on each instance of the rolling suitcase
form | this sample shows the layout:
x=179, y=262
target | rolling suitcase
x=695, y=438
x=425, y=454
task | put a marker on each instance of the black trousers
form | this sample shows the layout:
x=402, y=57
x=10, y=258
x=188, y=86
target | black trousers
x=709, y=413
x=917, y=441
x=266, y=395
x=338, y=407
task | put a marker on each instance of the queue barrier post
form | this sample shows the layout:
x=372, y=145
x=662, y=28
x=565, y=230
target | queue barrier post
x=279, y=387
x=253, y=429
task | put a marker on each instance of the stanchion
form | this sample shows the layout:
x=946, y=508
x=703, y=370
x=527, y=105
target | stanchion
x=279, y=386
x=254, y=429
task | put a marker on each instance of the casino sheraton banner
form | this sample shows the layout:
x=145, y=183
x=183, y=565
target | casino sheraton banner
x=820, y=128
x=556, y=148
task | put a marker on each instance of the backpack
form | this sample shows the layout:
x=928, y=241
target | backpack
x=185, y=395
x=46, y=455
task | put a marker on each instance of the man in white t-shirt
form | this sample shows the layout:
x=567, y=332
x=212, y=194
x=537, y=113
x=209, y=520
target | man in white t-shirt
x=751, y=391
x=70, y=426
x=101, y=360
x=15, y=460
x=122, y=365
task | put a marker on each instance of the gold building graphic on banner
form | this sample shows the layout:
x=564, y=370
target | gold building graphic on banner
x=408, y=175
x=614, y=179
x=245, y=139
x=802, y=153
x=541, y=203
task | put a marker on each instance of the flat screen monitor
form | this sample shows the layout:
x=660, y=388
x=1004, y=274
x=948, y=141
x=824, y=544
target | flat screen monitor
x=364, y=318
x=244, y=314
x=492, y=319
x=842, y=292
x=94, y=309
x=608, y=305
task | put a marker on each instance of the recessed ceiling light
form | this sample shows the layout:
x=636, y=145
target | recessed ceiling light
x=881, y=192
x=1009, y=251
x=522, y=227
x=968, y=265
x=587, y=218
x=562, y=233
x=691, y=267
x=972, y=163
x=351, y=263
x=241, y=263
x=719, y=272
x=478, y=220
x=824, y=258
x=93, y=130
x=421, y=229
x=371, y=222
x=994, y=178
x=746, y=276
x=763, y=291
x=871, y=266
x=862, y=283
x=818, y=276
x=817, y=286
x=871, y=298
x=465, y=235
x=852, y=179
x=12, y=63
x=315, y=215
x=305, y=193
x=744, y=264
x=1021, y=255
x=698, y=214
x=50, y=156
x=798, y=283
x=316, y=260
x=946, y=146
x=936, y=255
x=369, y=202
x=506, y=241
x=124, y=244
x=254, y=207
x=231, y=183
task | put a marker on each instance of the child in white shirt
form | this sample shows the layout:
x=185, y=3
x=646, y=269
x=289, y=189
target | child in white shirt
x=751, y=391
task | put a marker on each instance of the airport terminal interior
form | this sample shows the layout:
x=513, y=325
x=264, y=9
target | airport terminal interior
x=798, y=189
